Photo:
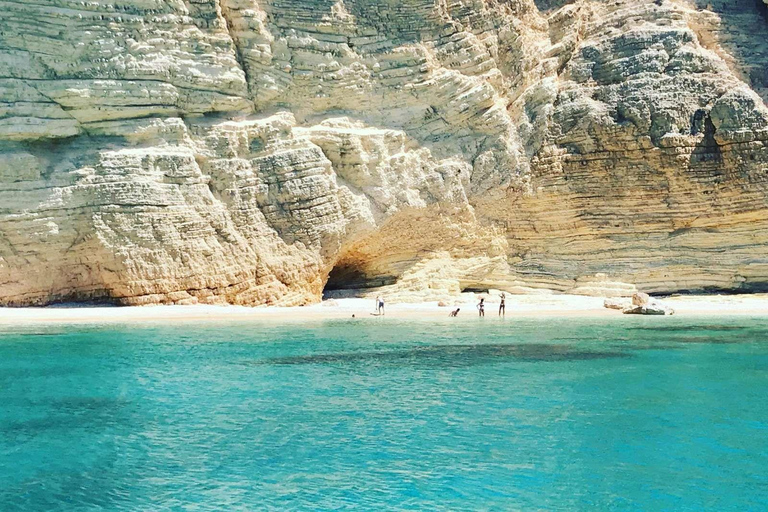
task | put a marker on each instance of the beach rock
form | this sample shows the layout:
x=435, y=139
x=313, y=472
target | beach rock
x=642, y=304
x=639, y=304
x=650, y=309
x=258, y=152
x=640, y=299
x=617, y=303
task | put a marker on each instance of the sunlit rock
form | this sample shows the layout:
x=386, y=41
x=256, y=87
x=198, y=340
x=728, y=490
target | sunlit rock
x=259, y=152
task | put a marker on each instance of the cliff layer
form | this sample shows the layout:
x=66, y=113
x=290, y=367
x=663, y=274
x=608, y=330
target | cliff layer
x=261, y=151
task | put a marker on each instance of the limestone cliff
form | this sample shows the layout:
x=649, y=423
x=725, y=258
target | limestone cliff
x=259, y=151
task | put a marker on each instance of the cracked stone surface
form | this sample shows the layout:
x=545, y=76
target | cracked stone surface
x=243, y=151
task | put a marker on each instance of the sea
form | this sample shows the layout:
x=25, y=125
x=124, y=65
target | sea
x=615, y=413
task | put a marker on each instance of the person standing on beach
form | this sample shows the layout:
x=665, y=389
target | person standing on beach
x=381, y=305
x=502, y=305
x=481, y=307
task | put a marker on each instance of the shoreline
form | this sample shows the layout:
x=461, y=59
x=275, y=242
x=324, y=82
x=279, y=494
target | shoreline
x=518, y=307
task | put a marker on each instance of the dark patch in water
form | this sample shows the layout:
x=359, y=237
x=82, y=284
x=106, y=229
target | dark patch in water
x=8, y=334
x=69, y=413
x=454, y=355
x=637, y=348
x=707, y=340
x=17, y=373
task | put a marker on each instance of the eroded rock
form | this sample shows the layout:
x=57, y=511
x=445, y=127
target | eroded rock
x=641, y=299
x=655, y=309
x=238, y=151
x=617, y=303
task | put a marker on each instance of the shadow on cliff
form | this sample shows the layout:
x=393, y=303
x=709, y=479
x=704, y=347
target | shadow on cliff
x=707, y=156
x=352, y=280
x=744, y=36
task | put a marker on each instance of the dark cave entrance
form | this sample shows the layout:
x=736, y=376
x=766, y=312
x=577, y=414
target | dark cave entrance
x=475, y=289
x=351, y=277
x=344, y=277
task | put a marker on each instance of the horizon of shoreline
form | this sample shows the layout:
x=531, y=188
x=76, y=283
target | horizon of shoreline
x=518, y=307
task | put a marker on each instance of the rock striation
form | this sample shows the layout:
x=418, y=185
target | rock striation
x=263, y=151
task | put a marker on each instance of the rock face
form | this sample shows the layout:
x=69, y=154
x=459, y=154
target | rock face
x=259, y=151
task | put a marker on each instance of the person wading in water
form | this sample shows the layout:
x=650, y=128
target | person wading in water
x=481, y=307
x=502, y=305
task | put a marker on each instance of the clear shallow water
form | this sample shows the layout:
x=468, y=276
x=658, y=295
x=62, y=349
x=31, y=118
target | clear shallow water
x=616, y=414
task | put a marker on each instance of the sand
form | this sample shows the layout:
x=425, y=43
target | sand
x=518, y=306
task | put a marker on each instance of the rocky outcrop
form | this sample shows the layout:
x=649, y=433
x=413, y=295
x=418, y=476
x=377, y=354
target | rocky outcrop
x=619, y=303
x=643, y=304
x=639, y=304
x=654, y=309
x=261, y=151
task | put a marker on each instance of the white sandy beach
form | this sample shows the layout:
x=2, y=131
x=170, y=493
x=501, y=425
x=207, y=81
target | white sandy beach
x=518, y=306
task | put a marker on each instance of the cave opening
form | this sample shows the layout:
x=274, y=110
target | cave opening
x=346, y=278
x=475, y=289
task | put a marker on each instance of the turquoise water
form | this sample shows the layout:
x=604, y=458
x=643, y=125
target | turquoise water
x=617, y=414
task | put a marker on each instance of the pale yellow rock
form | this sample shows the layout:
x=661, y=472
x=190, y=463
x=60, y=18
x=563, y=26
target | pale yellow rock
x=258, y=152
x=617, y=303
x=640, y=299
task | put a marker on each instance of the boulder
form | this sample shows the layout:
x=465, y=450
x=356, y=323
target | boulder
x=617, y=303
x=640, y=299
x=653, y=308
